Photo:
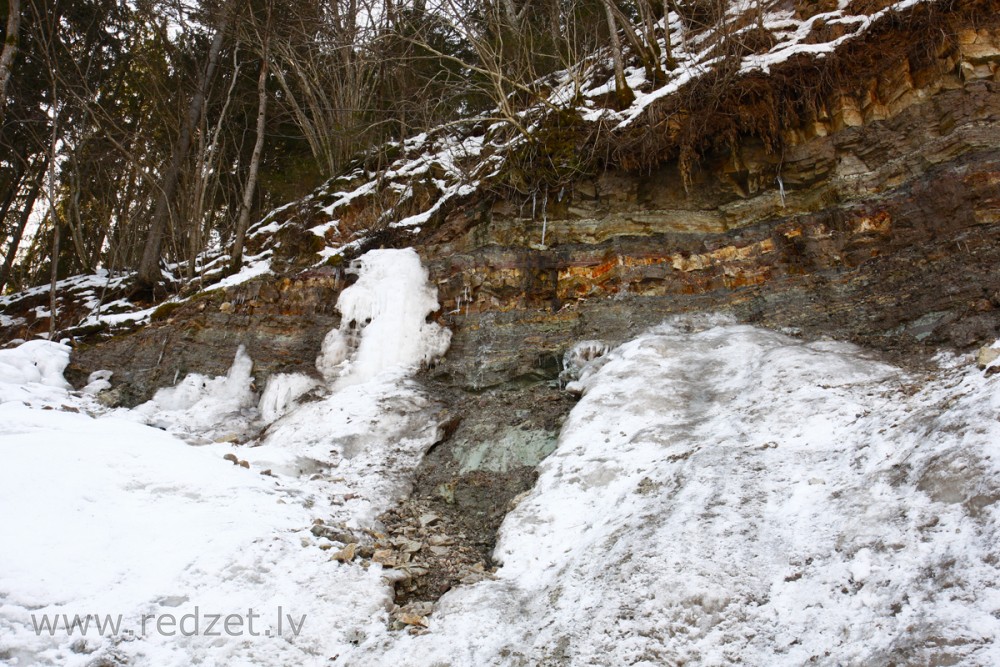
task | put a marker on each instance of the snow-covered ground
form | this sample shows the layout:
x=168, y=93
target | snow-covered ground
x=720, y=495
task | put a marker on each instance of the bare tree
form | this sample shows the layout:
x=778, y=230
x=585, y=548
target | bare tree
x=329, y=66
x=53, y=211
x=623, y=93
x=251, y=183
x=667, y=46
x=208, y=164
x=18, y=232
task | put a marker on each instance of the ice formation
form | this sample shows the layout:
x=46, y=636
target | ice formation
x=203, y=405
x=582, y=355
x=232, y=389
x=281, y=392
x=36, y=361
x=384, y=320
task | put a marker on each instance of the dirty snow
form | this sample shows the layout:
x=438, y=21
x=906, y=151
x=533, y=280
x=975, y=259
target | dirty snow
x=725, y=495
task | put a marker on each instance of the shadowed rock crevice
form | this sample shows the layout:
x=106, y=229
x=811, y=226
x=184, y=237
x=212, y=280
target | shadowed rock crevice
x=444, y=533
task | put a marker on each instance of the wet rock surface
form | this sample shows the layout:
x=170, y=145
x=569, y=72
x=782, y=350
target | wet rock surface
x=443, y=535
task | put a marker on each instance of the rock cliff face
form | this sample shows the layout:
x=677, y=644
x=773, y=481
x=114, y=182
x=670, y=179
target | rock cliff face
x=877, y=222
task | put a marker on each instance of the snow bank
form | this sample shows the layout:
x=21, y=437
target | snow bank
x=384, y=319
x=725, y=495
x=36, y=361
x=111, y=517
x=144, y=477
x=32, y=372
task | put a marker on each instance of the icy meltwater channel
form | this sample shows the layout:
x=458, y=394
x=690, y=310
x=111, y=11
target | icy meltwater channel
x=721, y=495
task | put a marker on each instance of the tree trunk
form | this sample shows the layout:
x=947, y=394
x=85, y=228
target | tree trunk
x=74, y=221
x=55, y=274
x=54, y=218
x=671, y=62
x=53, y=206
x=9, y=50
x=15, y=187
x=652, y=46
x=149, y=266
x=251, y=185
x=207, y=163
x=622, y=91
x=510, y=13
x=646, y=53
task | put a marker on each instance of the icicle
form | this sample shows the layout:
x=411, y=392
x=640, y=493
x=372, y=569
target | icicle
x=545, y=215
